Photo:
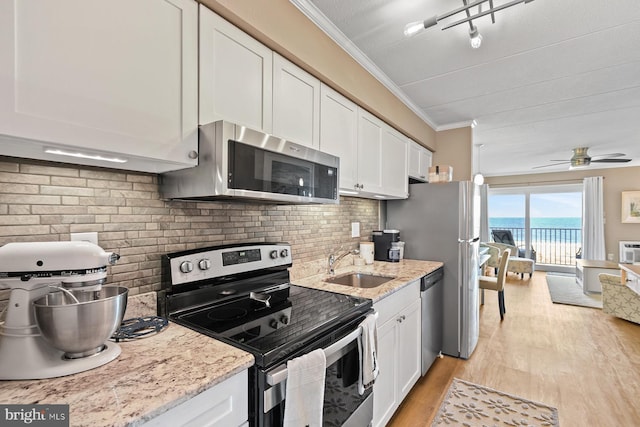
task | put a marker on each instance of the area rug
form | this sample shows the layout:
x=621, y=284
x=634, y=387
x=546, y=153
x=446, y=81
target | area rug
x=565, y=290
x=472, y=405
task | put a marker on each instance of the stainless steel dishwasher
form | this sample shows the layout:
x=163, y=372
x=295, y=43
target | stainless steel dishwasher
x=431, y=296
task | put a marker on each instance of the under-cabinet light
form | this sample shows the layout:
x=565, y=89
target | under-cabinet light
x=84, y=155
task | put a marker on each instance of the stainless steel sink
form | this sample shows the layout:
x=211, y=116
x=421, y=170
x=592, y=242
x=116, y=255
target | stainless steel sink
x=360, y=280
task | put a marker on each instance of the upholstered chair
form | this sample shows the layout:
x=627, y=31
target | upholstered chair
x=517, y=264
x=618, y=299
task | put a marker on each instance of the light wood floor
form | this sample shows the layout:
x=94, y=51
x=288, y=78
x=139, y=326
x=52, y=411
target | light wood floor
x=580, y=360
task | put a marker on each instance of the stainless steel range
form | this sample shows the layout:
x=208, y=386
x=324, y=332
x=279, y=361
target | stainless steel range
x=240, y=294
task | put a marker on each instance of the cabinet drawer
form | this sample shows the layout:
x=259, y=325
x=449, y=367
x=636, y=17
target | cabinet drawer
x=394, y=303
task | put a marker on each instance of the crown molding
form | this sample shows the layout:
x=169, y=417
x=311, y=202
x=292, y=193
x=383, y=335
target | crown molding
x=329, y=28
x=456, y=125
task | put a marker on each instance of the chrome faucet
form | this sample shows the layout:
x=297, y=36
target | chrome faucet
x=333, y=260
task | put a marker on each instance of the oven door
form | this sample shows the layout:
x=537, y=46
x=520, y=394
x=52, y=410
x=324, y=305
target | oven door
x=343, y=405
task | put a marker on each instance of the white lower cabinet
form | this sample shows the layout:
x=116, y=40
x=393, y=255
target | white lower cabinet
x=398, y=351
x=224, y=405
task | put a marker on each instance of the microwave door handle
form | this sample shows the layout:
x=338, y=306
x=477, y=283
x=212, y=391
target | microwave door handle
x=333, y=353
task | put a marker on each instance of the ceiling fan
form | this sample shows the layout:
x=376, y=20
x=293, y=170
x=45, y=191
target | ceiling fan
x=580, y=158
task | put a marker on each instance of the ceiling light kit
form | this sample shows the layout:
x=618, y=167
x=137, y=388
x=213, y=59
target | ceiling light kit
x=414, y=28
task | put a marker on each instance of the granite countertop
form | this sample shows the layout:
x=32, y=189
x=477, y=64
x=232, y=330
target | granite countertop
x=404, y=272
x=150, y=376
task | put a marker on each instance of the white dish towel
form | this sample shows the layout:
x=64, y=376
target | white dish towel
x=368, y=348
x=305, y=390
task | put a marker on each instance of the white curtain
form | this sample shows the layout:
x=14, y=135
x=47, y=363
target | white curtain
x=593, y=219
x=484, y=213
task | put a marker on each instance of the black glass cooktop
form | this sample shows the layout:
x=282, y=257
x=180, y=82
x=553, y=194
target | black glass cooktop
x=273, y=333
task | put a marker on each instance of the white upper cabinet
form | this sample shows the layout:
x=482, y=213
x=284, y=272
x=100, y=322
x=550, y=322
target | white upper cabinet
x=394, y=164
x=370, y=130
x=296, y=103
x=339, y=133
x=235, y=75
x=113, y=78
x=373, y=155
x=419, y=159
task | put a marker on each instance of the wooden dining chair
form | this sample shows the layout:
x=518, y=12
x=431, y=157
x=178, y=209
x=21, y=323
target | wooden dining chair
x=496, y=283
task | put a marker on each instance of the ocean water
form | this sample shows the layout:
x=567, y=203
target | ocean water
x=550, y=230
x=536, y=222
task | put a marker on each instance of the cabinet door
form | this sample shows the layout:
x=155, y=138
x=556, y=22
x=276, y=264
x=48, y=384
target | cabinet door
x=395, y=178
x=369, y=152
x=296, y=103
x=339, y=133
x=409, y=351
x=224, y=405
x=413, y=160
x=385, y=395
x=116, y=77
x=235, y=75
x=419, y=161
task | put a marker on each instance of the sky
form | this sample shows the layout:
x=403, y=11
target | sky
x=545, y=205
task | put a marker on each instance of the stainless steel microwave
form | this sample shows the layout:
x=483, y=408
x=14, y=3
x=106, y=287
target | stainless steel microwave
x=239, y=162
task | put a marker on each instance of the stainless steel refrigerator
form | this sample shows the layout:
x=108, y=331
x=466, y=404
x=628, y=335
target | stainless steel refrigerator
x=441, y=222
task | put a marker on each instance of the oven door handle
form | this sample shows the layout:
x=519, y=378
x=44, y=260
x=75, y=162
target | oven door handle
x=333, y=353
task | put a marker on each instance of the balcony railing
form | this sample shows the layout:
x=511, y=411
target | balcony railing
x=552, y=245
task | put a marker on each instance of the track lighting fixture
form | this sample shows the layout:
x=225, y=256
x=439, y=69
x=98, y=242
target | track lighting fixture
x=417, y=27
x=475, y=36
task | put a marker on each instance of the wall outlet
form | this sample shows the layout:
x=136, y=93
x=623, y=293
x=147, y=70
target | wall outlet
x=91, y=237
x=610, y=257
x=355, y=229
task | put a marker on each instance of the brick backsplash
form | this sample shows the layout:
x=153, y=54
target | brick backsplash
x=43, y=201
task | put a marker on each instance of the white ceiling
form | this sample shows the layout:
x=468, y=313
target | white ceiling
x=550, y=75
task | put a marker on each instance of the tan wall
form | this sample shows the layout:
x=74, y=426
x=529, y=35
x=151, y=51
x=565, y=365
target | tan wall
x=282, y=27
x=41, y=201
x=616, y=180
x=454, y=149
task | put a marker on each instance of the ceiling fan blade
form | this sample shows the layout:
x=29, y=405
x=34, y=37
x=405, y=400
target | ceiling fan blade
x=553, y=164
x=610, y=161
x=605, y=156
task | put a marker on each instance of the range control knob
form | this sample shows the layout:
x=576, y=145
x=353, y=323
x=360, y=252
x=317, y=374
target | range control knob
x=273, y=323
x=284, y=319
x=273, y=254
x=204, y=264
x=186, y=266
x=284, y=253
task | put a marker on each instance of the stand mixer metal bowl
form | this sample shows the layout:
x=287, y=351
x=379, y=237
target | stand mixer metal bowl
x=80, y=326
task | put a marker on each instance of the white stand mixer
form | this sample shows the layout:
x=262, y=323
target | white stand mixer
x=32, y=270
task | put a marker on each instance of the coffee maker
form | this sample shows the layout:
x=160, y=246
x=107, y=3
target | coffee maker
x=383, y=248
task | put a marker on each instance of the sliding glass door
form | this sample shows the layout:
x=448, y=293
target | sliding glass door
x=545, y=222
